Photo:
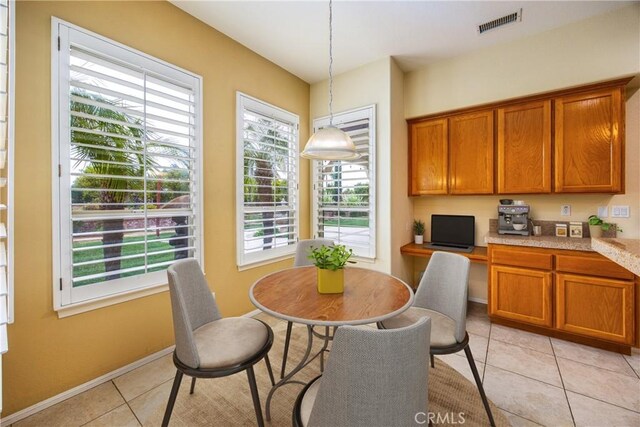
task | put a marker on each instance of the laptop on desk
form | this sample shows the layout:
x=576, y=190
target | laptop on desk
x=452, y=233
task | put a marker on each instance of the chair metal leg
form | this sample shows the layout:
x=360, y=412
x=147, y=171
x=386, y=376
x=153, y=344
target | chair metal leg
x=255, y=396
x=433, y=364
x=193, y=385
x=476, y=376
x=268, y=362
x=172, y=398
x=286, y=348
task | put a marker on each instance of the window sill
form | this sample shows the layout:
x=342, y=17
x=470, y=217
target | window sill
x=83, y=307
x=256, y=264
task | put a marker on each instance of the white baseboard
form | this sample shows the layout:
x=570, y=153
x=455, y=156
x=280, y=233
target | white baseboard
x=24, y=413
x=478, y=300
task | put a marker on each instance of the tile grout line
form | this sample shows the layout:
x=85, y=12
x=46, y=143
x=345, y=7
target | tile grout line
x=126, y=402
x=528, y=377
x=605, y=402
x=69, y=398
x=486, y=356
x=600, y=368
x=629, y=363
x=518, y=415
x=564, y=389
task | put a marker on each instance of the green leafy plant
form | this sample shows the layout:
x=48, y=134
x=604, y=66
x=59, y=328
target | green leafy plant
x=606, y=226
x=418, y=227
x=331, y=257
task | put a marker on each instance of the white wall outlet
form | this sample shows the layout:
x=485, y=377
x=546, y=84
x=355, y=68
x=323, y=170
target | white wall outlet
x=565, y=210
x=603, y=211
x=619, y=211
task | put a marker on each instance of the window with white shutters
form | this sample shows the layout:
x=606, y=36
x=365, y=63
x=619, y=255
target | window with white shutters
x=6, y=170
x=344, y=191
x=128, y=159
x=267, y=181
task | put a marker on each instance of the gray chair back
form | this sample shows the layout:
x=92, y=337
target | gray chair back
x=304, y=249
x=375, y=377
x=444, y=288
x=192, y=306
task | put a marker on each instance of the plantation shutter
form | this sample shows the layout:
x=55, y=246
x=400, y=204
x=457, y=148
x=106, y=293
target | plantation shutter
x=344, y=191
x=130, y=170
x=6, y=176
x=269, y=218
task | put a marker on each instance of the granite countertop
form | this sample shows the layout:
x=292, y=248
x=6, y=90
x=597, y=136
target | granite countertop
x=625, y=252
x=550, y=242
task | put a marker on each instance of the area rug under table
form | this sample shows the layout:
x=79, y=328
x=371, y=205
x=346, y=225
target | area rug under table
x=227, y=401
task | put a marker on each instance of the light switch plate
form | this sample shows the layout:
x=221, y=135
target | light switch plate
x=603, y=211
x=620, y=211
x=565, y=210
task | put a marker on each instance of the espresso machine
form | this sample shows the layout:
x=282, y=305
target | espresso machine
x=513, y=219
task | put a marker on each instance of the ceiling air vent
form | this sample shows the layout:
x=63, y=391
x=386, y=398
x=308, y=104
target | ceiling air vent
x=496, y=23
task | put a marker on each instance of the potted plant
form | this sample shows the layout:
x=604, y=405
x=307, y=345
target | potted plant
x=597, y=226
x=418, y=231
x=330, y=261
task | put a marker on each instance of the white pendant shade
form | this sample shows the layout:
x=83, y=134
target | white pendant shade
x=330, y=143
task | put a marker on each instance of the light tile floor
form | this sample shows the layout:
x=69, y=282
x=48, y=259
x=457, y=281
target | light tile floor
x=533, y=379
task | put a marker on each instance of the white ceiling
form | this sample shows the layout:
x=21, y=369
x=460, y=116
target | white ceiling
x=295, y=34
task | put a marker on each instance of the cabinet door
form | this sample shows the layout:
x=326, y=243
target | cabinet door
x=429, y=158
x=524, y=148
x=589, y=138
x=471, y=153
x=521, y=294
x=595, y=307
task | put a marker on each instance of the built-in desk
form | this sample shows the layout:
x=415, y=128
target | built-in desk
x=479, y=253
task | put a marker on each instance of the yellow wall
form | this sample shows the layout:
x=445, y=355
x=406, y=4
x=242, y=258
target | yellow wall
x=401, y=204
x=50, y=355
x=595, y=49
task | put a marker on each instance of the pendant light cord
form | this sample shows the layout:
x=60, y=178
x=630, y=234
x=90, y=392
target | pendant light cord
x=330, y=62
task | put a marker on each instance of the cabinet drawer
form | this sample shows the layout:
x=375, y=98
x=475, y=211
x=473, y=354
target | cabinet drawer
x=591, y=265
x=518, y=257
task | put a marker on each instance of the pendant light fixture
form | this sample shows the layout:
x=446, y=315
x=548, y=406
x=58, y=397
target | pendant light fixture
x=330, y=143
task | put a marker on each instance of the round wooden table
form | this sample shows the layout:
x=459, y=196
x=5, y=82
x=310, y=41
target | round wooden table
x=369, y=297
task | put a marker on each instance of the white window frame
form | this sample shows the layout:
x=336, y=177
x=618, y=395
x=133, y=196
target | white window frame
x=367, y=112
x=129, y=287
x=256, y=259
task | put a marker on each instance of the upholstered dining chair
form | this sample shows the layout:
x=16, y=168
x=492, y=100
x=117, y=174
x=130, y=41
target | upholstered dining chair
x=368, y=381
x=301, y=260
x=207, y=345
x=442, y=296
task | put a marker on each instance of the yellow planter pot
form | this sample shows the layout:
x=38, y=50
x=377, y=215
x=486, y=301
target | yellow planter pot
x=330, y=282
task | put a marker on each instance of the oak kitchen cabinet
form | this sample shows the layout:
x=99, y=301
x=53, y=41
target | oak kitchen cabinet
x=589, y=142
x=429, y=157
x=452, y=155
x=471, y=153
x=524, y=148
x=569, y=294
x=566, y=141
x=521, y=285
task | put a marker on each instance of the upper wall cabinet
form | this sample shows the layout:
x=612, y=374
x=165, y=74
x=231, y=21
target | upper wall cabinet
x=566, y=141
x=524, y=148
x=429, y=158
x=471, y=153
x=589, y=142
